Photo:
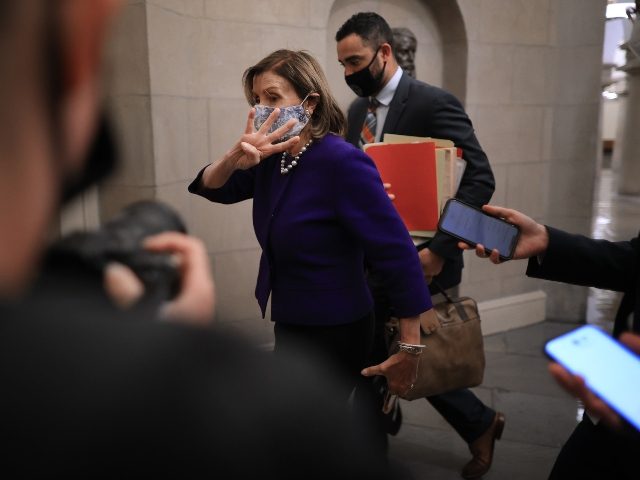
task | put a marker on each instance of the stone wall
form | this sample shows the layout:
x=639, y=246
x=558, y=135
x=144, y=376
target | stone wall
x=534, y=96
x=528, y=71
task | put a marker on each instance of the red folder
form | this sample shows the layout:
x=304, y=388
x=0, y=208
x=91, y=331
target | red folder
x=410, y=168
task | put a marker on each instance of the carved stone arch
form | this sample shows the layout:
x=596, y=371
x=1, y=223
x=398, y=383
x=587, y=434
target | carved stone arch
x=441, y=56
x=454, y=45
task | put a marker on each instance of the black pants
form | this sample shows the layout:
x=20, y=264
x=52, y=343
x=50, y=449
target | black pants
x=596, y=452
x=339, y=351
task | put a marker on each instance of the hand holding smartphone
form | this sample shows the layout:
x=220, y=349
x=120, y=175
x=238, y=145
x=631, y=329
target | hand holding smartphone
x=610, y=370
x=474, y=226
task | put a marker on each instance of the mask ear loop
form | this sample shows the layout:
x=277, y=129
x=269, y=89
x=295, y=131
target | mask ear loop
x=384, y=65
x=306, y=110
x=305, y=98
x=375, y=55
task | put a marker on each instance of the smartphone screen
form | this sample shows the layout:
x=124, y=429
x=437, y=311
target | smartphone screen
x=610, y=370
x=474, y=226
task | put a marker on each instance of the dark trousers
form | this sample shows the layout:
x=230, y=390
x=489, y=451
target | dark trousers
x=468, y=416
x=337, y=351
x=464, y=412
x=596, y=452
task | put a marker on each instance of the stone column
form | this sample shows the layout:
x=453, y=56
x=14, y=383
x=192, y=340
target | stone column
x=629, y=171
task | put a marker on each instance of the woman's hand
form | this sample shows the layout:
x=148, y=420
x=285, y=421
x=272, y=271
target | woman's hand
x=400, y=370
x=254, y=145
x=533, y=240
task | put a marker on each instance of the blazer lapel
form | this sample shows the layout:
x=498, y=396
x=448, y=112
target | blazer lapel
x=272, y=190
x=279, y=184
x=397, y=105
x=278, y=187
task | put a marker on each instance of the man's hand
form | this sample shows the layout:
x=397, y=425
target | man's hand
x=387, y=187
x=195, y=302
x=431, y=264
x=575, y=385
x=533, y=240
x=122, y=285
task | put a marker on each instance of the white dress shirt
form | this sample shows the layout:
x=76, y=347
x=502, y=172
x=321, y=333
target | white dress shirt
x=384, y=97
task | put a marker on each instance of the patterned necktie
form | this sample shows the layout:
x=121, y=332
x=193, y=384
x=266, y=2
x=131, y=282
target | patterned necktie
x=368, y=133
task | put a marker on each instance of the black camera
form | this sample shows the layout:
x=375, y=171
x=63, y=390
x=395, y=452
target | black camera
x=120, y=240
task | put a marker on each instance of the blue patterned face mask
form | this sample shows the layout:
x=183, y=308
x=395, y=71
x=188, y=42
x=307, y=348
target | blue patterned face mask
x=286, y=113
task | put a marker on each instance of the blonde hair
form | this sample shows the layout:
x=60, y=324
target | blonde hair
x=304, y=72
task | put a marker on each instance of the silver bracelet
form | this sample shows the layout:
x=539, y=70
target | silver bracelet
x=410, y=348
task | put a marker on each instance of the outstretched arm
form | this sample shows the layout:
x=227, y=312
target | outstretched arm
x=568, y=258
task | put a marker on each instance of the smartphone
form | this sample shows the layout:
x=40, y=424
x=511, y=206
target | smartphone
x=610, y=369
x=472, y=225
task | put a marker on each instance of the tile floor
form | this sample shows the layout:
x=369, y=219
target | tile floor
x=540, y=416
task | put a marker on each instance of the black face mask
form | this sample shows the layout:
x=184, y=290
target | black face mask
x=100, y=162
x=363, y=83
x=101, y=157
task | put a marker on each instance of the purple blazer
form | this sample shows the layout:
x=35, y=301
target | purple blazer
x=316, y=226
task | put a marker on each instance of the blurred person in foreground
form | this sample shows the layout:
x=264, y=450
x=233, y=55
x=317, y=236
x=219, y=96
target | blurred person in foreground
x=319, y=209
x=598, y=448
x=90, y=390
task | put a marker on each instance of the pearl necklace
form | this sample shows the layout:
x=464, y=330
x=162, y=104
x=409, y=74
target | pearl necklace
x=286, y=169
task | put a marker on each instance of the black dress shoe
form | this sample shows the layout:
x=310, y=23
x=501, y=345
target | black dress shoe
x=482, y=449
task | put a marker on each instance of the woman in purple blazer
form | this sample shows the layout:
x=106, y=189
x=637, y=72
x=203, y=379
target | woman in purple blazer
x=319, y=211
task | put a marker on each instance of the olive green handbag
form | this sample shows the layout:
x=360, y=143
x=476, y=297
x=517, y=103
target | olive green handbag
x=454, y=354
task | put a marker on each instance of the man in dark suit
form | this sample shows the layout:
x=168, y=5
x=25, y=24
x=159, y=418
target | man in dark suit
x=594, y=450
x=393, y=102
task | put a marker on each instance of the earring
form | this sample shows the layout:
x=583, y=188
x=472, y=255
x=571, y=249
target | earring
x=307, y=112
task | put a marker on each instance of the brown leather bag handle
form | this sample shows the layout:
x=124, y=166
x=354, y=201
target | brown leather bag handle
x=459, y=308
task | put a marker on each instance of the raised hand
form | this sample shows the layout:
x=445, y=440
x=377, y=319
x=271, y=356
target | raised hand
x=253, y=147
x=257, y=145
